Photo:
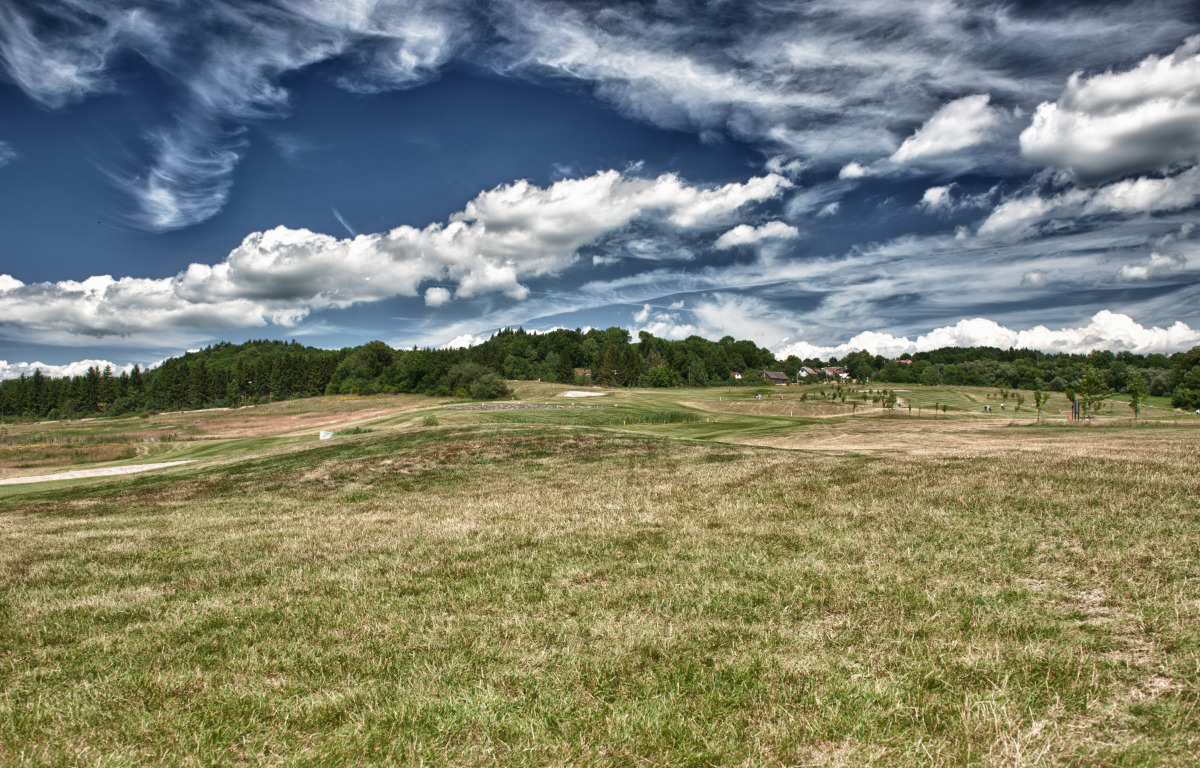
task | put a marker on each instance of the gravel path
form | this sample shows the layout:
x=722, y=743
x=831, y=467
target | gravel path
x=518, y=407
x=99, y=472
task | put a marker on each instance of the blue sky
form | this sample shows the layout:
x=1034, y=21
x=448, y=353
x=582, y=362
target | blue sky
x=816, y=176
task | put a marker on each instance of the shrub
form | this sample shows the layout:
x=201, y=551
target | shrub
x=488, y=387
x=429, y=421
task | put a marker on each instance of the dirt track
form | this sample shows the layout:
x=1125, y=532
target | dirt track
x=98, y=472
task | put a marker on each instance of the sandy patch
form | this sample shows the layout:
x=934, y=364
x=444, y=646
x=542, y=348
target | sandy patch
x=577, y=393
x=98, y=472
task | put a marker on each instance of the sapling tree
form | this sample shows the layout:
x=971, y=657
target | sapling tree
x=1092, y=392
x=1039, y=400
x=1137, y=393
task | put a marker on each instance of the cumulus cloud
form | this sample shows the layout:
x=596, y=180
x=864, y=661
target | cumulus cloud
x=853, y=170
x=1106, y=330
x=821, y=81
x=713, y=316
x=1159, y=264
x=465, y=340
x=501, y=237
x=943, y=199
x=79, y=368
x=436, y=296
x=936, y=199
x=1021, y=217
x=744, y=234
x=1117, y=123
x=960, y=124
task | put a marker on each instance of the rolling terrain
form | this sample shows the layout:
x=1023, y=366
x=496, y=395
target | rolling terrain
x=667, y=577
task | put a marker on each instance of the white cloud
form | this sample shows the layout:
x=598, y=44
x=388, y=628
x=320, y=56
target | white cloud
x=188, y=180
x=7, y=154
x=936, y=199
x=713, y=316
x=237, y=79
x=744, y=234
x=812, y=83
x=1183, y=234
x=55, y=75
x=16, y=370
x=1020, y=217
x=829, y=209
x=1106, y=330
x=1116, y=123
x=1034, y=278
x=960, y=124
x=853, y=170
x=1159, y=264
x=791, y=168
x=504, y=235
x=436, y=296
x=466, y=340
x=944, y=200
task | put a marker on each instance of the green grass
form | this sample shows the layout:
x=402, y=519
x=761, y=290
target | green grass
x=611, y=585
x=513, y=594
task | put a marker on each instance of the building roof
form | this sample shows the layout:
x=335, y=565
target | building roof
x=777, y=377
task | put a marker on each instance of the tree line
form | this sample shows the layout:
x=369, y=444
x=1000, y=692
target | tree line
x=260, y=371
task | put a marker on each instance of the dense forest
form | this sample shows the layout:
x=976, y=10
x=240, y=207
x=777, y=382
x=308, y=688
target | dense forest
x=230, y=375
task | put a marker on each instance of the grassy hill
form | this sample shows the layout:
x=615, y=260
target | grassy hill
x=666, y=577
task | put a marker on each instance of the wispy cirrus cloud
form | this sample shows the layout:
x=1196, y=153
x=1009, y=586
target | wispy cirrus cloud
x=228, y=61
x=817, y=83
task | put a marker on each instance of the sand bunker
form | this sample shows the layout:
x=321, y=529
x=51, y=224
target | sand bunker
x=577, y=393
x=99, y=472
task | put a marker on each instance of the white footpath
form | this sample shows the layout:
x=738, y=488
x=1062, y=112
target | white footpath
x=99, y=472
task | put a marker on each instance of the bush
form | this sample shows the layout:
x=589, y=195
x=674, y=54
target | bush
x=122, y=406
x=463, y=375
x=659, y=376
x=488, y=387
x=429, y=421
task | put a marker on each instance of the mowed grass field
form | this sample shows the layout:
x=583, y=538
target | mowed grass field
x=691, y=577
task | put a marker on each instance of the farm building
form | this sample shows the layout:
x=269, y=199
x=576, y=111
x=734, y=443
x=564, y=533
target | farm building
x=775, y=377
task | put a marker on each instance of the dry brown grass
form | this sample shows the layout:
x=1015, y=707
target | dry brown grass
x=970, y=438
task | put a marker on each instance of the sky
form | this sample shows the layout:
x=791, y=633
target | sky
x=820, y=177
